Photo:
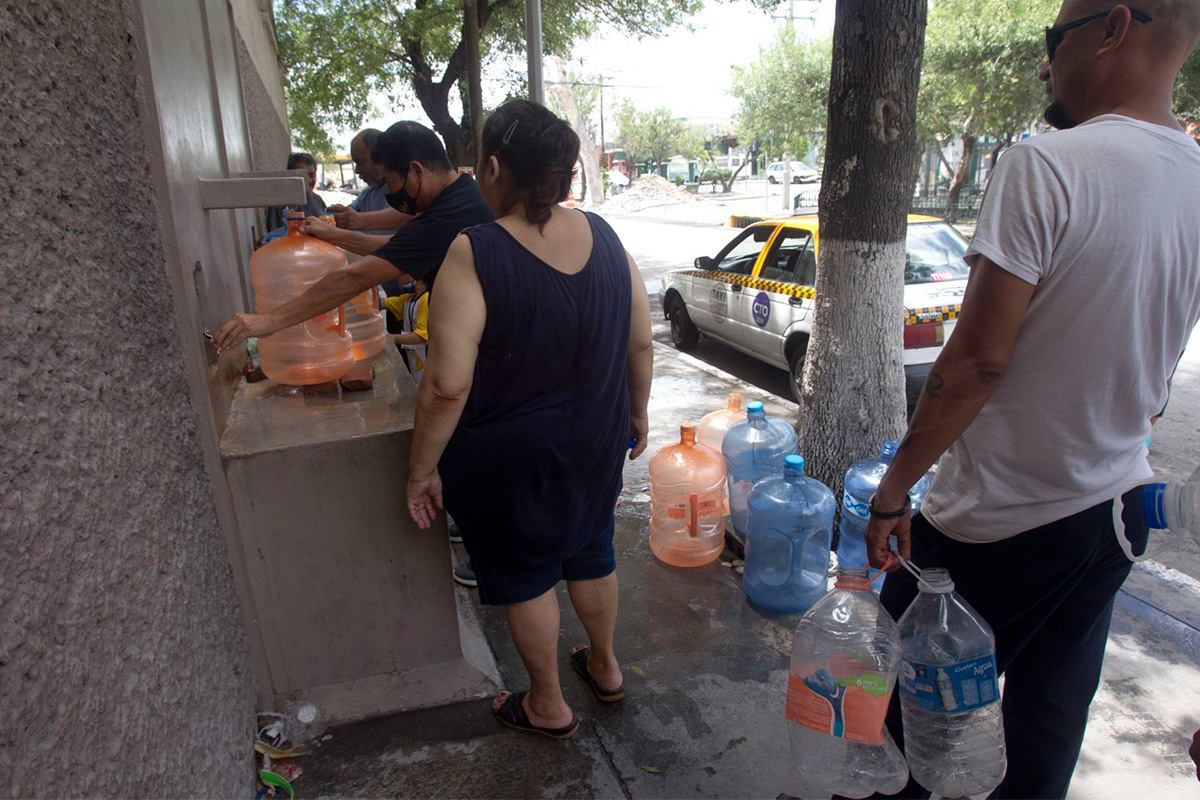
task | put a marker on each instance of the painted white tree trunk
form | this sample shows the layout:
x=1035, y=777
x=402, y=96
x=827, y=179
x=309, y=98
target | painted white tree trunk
x=853, y=386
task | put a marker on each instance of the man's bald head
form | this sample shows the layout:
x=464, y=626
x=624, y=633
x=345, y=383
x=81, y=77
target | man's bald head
x=360, y=150
x=1109, y=60
x=1175, y=26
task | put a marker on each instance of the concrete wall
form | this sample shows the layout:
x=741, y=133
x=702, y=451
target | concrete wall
x=123, y=664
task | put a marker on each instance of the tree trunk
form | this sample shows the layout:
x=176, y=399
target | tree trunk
x=853, y=385
x=592, y=180
x=995, y=156
x=963, y=173
x=750, y=153
x=474, y=83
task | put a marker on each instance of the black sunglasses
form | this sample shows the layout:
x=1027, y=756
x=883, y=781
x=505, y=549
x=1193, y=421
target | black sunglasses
x=1054, y=36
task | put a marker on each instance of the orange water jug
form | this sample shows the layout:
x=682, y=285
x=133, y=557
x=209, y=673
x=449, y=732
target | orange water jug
x=687, y=502
x=711, y=430
x=365, y=324
x=315, y=351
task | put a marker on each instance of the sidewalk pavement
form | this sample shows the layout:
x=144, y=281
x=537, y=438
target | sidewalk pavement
x=706, y=674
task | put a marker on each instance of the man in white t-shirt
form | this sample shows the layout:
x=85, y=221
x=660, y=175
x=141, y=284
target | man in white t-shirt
x=1085, y=284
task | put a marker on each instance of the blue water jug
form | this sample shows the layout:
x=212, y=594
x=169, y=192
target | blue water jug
x=754, y=449
x=787, y=547
x=862, y=481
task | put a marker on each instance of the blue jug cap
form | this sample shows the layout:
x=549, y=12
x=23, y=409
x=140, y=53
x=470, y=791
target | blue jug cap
x=754, y=407
x=1152, y=505
x=794, y=462
x=889, y=448
x=290, y=215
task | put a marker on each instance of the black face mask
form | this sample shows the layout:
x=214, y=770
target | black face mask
x=401, y=200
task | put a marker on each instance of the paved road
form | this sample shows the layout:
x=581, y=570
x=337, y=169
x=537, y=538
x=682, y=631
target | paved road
x=659, y=246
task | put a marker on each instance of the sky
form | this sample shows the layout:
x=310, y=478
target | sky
x=687, y=70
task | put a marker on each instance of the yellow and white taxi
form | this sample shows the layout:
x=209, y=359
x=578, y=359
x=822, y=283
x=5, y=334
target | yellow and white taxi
x=757, y=294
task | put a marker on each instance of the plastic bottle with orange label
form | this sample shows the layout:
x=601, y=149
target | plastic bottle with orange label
x=311, y=352
x=845, y=661
x=687, y=502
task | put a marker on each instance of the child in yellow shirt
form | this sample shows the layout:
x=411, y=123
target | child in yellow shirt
x=412, y=309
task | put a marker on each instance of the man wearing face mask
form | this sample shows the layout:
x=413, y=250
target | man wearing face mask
x=420, y=180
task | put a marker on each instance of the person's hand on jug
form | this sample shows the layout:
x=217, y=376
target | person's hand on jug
x=889, y=517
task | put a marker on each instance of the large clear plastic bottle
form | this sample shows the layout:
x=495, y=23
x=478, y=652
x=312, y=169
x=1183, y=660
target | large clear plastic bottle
x=687, y=499
x=862, y=481
x=315, y=351
x=787, y=546
x=713, y=427
x=949, y=693
x=845, y=656
x=365, y=324
x=754, y=449
x=1170, y=509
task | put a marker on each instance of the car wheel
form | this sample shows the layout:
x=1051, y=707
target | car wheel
x=684, y=334
x=796, y=370
x=771, y=179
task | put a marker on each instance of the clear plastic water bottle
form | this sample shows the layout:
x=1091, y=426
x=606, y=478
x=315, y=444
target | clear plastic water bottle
x=787, y=544
x=1170, y=509
x=845, y=657
x=862, y=481
x=754, y=449
x=949, y=693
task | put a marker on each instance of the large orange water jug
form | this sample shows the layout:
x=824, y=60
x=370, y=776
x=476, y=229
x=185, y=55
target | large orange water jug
x=711, y=430
x=712, y=427
x=365, y=324
x=687, y=502
x=315, y=351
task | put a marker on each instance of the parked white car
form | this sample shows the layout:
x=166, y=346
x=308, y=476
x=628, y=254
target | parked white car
x=801, y=172
x=757, y=294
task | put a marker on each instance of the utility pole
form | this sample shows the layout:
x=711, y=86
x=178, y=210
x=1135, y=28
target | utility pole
x=533, y=50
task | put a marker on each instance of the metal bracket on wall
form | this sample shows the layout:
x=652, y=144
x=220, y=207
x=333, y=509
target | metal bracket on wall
x=253, y=192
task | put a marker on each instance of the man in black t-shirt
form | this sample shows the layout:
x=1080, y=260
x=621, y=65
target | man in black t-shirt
x=420, y=180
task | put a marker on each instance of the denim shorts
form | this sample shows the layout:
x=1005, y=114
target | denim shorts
x=498, y=588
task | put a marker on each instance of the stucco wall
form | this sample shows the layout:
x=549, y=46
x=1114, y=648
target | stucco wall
x=269, y=139
x=123, y=665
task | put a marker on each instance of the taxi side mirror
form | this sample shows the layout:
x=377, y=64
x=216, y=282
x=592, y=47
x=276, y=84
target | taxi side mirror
x=704, y=263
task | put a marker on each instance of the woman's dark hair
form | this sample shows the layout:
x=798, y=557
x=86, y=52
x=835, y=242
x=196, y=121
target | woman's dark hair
x=539, y=152
x=296, y=159
x=406, y=142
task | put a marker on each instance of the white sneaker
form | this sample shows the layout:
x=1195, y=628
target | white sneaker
x=455, y=533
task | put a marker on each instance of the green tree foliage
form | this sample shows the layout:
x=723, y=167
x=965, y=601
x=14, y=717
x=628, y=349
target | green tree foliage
x=1187, y=89
x=647, y=136
x=339, y=53
x=980, y=73
x=783, y=95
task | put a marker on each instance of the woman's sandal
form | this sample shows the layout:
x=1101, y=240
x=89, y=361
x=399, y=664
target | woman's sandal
x=579, y=662
x=512, y=713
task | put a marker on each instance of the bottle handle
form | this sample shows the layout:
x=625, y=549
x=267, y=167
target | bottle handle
x=694, y=516
x=1119, y=521
x=340, y=325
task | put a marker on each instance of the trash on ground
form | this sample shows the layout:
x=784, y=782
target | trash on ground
x=648, y=191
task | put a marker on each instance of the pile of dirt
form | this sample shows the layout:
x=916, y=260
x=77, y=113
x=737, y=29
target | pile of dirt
x=647, y=191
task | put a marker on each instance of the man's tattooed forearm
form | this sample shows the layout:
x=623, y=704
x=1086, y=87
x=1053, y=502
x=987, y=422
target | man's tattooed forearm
x=933, y=385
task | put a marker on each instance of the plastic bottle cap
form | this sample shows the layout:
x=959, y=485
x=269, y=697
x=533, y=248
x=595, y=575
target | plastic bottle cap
x=1153, y=505
x=794, y=461
x=935, y=580
x=754, y=408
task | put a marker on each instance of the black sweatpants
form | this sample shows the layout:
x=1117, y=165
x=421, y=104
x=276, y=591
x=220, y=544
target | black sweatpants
x=1048, y=595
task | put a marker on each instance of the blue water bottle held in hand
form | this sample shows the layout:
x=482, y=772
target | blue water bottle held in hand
x=790, y=529
x=754, y=449
x=862, y=481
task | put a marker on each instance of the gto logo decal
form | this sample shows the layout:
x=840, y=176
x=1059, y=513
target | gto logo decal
x=761, y=309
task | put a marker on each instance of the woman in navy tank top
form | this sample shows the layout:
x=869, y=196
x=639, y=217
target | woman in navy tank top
x=534, y=391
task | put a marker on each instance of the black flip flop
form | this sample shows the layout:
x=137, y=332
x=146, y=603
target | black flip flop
x=512, y=713
x=579, y=662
